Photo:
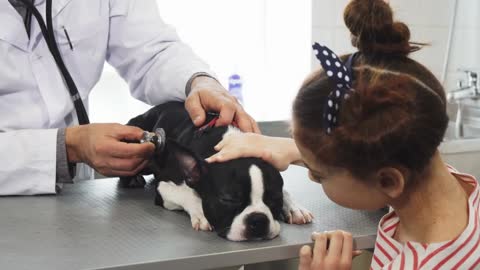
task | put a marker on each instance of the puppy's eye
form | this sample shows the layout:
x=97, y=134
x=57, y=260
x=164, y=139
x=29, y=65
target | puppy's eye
x=277, y=198
x=273, y=200
x=274, y=204
x=230, y=200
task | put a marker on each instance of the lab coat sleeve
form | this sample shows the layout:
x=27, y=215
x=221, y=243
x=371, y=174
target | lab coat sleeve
x=27, y=162
x=148, y=53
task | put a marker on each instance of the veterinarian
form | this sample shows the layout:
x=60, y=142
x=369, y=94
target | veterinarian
x=47, y=72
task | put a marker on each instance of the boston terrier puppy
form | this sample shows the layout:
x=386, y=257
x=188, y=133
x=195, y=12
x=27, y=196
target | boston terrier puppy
x=242, y=199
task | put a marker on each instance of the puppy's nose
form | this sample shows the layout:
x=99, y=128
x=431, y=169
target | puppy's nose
x=257, y=225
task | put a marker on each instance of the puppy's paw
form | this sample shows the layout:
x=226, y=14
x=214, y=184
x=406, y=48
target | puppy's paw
x=297, y=215
x=293, y=212
x=200, y=223
x=137, y=181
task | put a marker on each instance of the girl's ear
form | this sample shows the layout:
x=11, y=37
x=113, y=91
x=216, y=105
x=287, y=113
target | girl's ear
x=390, y=181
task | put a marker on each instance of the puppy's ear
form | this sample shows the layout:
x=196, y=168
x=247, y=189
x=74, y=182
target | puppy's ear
x=192, y=167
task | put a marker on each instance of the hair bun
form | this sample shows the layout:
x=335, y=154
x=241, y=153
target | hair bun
x=373, y=29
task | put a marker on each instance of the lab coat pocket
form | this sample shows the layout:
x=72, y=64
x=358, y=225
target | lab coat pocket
x=83, y=46
x=81, y=36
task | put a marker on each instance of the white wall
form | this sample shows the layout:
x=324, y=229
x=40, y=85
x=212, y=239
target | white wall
x=266, y=41
x=429, y=21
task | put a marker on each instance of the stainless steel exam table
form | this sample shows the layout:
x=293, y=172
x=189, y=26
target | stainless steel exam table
x=96, y=225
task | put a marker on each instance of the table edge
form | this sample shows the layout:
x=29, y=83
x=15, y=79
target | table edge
x=241, y=257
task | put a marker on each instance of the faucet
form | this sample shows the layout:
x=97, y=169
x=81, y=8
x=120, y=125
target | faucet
x=464, y=91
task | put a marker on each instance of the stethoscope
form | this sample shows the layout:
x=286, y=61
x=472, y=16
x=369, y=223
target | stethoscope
x=48, y=35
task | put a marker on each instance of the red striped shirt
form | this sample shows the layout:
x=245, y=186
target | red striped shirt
x=463, y=252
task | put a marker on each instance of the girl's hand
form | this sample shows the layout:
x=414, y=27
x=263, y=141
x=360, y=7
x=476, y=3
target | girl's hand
x=280, y=152
x=332, y=250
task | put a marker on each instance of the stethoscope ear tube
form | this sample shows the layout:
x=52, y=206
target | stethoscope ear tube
x=48, y=34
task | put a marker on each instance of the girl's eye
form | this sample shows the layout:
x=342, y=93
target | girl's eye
x=316, y=178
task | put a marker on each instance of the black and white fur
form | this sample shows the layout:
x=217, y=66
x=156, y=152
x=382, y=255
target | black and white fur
x=242, y=199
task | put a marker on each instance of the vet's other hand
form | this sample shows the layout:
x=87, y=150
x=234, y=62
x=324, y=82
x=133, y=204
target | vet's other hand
x=276, y=151
x=209, y=95
x=332, y=250
x=101, y=147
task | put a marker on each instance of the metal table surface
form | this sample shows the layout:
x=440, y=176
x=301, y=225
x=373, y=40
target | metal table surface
x=96, y=225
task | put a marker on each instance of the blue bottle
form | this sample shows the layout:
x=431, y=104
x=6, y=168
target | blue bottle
x=235, y=87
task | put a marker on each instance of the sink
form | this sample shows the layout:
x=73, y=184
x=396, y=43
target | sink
x=463, y=153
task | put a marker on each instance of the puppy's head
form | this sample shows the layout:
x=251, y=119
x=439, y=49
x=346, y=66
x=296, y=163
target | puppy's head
x=242, y=199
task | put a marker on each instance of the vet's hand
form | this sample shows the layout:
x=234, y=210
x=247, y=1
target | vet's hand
x=280, y=152
x=101, y=147
x=332, y=250
x=209, y=95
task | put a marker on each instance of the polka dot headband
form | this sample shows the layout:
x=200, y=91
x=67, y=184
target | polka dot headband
x=341, y=76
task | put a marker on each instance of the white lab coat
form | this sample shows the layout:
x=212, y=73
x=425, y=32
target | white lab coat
x=34, y=101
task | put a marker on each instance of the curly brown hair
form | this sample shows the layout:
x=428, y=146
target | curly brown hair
x=397, y=114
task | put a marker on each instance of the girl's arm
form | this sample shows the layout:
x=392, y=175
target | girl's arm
x=280, y=152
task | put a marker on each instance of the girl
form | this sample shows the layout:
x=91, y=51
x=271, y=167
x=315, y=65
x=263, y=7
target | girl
x=368, y=131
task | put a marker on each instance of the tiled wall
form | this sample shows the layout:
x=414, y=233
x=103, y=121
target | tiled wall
x=429, y=21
